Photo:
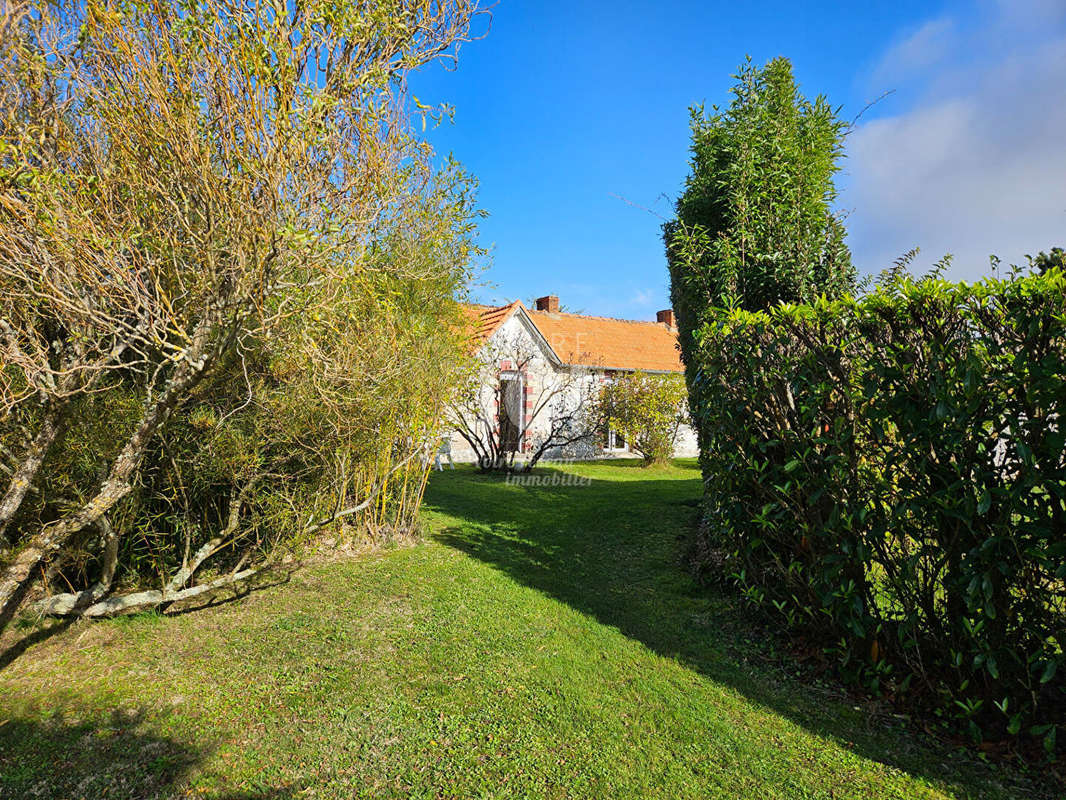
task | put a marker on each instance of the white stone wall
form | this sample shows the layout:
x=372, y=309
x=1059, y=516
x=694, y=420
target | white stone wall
x=541, y=376
x=686, y=445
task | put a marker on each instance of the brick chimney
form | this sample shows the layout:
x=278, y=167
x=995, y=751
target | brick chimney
x=667, y=317
x=548, y=303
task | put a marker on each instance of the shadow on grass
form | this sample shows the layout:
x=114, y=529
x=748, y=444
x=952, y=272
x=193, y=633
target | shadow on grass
x=34, y=631
x=120, y=754
x=612, y=549
x=35, y=636
x=112, y=756
x=115, y=756
x=268, y=579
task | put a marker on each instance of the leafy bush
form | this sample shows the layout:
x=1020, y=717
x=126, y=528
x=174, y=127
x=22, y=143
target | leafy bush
x=647, y=409
x=889, y=479
x=326, y=420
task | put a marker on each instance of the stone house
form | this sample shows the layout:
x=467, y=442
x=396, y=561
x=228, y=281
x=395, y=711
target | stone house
x=540, y=364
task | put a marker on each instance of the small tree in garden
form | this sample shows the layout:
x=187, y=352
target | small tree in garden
x=648, y=409
x=557, y=407
x=754, y=225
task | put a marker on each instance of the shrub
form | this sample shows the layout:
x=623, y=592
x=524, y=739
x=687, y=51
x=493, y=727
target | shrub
x=889, y=479
x=228, y=271
x=647, y=409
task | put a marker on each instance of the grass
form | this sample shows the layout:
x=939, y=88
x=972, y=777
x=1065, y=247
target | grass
x=542, y=642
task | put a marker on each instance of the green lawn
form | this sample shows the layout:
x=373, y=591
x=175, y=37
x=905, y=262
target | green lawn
x=543, y=642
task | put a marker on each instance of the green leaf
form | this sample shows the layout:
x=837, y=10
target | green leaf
x=1049, y=671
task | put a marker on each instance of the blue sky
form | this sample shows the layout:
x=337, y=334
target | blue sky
x=574, y=118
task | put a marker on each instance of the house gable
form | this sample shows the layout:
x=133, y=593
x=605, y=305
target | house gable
x=493, y=322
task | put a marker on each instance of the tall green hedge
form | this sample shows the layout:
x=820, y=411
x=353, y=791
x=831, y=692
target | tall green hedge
x=887, y=477
x=755, y=224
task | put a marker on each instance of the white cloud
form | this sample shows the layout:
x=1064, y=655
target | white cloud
x=917, y=51
x=1027, y=13
x=643, y=298
x=976, y=166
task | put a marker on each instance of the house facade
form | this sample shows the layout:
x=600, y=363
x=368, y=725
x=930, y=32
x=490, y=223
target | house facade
x=541, y=367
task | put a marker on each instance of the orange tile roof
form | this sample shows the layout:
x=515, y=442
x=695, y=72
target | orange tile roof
x=609, y=343
x=591, y=341
x=486, y=319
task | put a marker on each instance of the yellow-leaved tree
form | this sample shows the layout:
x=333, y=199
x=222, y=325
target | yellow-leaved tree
x=648, y=409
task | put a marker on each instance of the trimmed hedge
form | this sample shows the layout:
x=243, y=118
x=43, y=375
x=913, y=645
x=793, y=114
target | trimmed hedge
x=886, y=475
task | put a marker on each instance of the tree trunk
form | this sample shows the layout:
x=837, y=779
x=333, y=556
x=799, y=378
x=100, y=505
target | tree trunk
x=93, y=602
x=23, y=477
x=21, y=574
x=153, y=598
x=69, y=604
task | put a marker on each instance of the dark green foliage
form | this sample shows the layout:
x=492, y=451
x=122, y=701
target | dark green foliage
x=889, y=480
x=754, y=225
x=1042, y=262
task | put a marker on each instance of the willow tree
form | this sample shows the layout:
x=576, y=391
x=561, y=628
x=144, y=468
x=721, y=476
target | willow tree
x=180, y=180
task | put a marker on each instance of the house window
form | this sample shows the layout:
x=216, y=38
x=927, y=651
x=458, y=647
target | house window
x=512, y=408
x=615, y=440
